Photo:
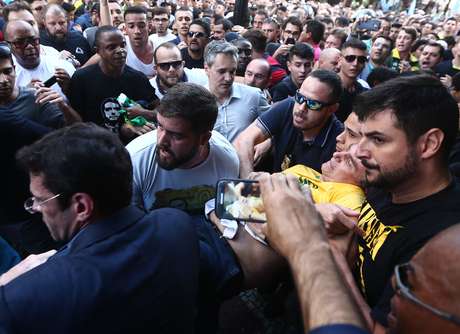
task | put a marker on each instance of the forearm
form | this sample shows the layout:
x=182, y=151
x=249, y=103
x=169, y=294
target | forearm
x=323, y=297
x=245, y=153
x=70, y=115
x=106, y=19
x=150, y=115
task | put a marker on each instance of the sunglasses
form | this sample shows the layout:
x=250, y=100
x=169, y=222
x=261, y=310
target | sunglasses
x=22, y=43
x=311, y=104
x=196, y=34
x=246, y=52
x=166, y=66
x=352, y=58
x=403, y=289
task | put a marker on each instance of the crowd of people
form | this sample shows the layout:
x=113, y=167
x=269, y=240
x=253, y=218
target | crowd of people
x=118, y=118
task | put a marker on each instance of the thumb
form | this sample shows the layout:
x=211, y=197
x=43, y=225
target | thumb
x=349, y=212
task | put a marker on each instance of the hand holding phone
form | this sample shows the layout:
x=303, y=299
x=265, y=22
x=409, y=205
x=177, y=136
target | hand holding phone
x=51, y=81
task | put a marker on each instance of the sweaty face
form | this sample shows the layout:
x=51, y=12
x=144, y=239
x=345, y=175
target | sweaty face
x=306, y=119
x=195, y=43
x=7, y=79
x=351, y=135
x=332, y=42
x=429, y=57
x=271, y=31
x=386, y=154
x=257, y=75
x=25, y=45
x=116, y=13
x=169, y=58
x=218, y=32
x=299, y=68
x=183, y=20
x=137, y=29
x=291, y=31
x=352, y=69
x=177, y=144
x=221, y=74
x=258, y=21
x=56, y=25
x=403, y=41
x=112, y=49
x=344, y=167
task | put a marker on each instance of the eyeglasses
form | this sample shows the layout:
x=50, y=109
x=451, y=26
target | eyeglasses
x=21, y=43
x=352, y=58
x=32, y=206
x=402, y=287
x=196, y=34
x=166, y=66
x=311, y=104
x=246, y=52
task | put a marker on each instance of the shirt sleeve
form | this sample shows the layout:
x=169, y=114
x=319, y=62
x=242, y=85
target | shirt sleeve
x=274, y=119
x=51, y=115
x=263, y=104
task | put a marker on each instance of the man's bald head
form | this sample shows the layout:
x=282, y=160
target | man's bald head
x=329, y=60
x=433, y=277
x=25, y=44
x=257, y=73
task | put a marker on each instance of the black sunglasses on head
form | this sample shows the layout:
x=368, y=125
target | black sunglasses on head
x=352, y=58
x=166, y=66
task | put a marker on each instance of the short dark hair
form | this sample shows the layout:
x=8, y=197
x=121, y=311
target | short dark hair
x=16, y=6
x=436, y=45
x=261, y=12
x=332, y=80
x=419, y=103
x=135, y=10
x=204, y=25
x=82, y=158
x=294, y=21
x=396, y=25
x=411, y=31
x=354, y=43
x=327, y=20
x=191, y=102
x=257, y=39
x=226, y=24
x=5, y=52
x=384, y=37
x=102, y=30
x=272, y=21
x=160, y=11
x=418, y=43
x=380, y=74
x=340, y=34
x=342, y=22
x=301, y=50
x=316, y=29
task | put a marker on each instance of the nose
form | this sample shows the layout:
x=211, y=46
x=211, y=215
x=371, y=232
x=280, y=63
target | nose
x=228, y=76
x=361, y=149
x=162, y=139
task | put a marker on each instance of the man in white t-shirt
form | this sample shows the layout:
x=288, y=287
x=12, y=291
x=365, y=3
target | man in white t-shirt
x=29, y=64
x=179, y=164
x=170, y=70
x=139, y=47
x=161, y=22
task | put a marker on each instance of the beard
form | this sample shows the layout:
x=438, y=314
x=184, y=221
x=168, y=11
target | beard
x=390, y=179
x=174, y=161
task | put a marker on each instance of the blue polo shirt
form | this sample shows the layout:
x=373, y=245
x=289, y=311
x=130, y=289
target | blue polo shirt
x=289, y=145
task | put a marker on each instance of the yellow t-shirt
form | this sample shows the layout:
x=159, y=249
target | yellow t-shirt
x=347, y=195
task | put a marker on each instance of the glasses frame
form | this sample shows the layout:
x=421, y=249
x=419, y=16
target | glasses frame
x=301, y=99
x=355, y=57
x=30, y=208
x=34, y=41
x=170, y=64
x=196, y=34
x=406, y=293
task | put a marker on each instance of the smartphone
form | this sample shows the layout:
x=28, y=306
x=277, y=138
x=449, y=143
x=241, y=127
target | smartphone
x=51, y=81
x=239, y=199
x=370, y=25
x=289, y=40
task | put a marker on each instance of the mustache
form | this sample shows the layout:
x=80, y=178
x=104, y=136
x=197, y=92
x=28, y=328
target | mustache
x=369, y=165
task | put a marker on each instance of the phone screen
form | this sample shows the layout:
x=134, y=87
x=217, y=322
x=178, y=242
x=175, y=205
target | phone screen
x=240, y=200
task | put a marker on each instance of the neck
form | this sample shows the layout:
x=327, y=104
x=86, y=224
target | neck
x=310, y=134
x=11, y=98
x=182, y=37
x=347, y=82
x=110, y=70
x=162, y=33
x=142, y=49
x=221, y=97
x=376, y=62
x=195, y=54
x=162, y=85
x=404, y=55
x=434, y=179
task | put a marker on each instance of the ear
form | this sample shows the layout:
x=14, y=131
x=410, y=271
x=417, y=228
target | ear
x=206, y=69
x=83, y=206
x=430, y=143
x=205, y=137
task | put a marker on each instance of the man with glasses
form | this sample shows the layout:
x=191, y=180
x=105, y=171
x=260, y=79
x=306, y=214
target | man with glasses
x=380, y=51
x=170, y=70
x=120, y=269
x=31, y=67
x=354, y=58
x=197, y=39
x=244, y=54
x=300, y=63
x=303, y=129
x=161, y=23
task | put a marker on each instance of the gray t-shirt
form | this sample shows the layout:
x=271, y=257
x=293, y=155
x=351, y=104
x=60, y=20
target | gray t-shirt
x=47, y=114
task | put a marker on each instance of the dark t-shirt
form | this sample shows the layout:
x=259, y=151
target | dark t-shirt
x=283, y=89
x=289, y=146
x=346, y=101
x=93, y=94
x=393, y=234
x=189, y=61
x=446, y=67
x=75, y=43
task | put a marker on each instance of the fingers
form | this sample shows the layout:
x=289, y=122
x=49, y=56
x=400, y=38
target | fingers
x=45, y=94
